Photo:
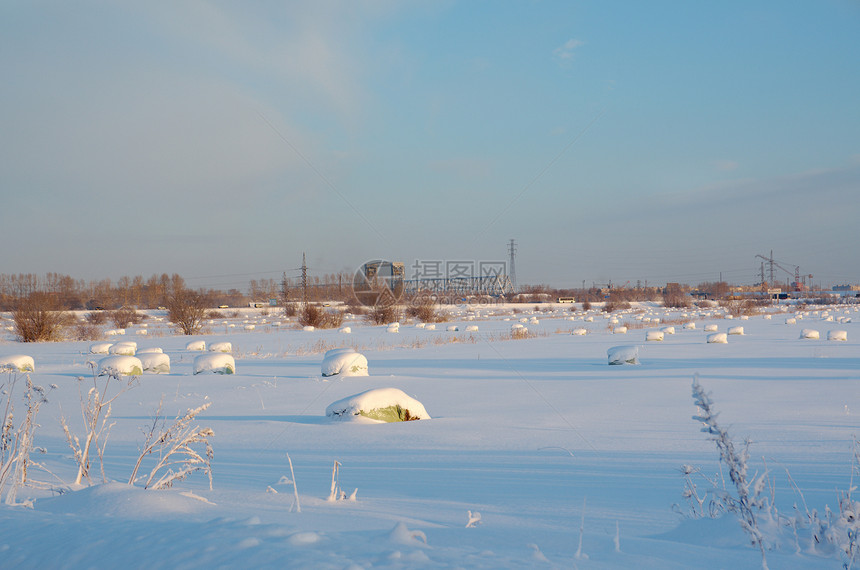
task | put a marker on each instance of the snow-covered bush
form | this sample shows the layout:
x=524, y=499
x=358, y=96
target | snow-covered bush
x=217, y=362
x=381, y=404
x=811, y=334
x=220, y=347
x=120, y=365
x=837, y=335
x=100, y=347
x=156, y=362
x=718, y=338
x=619, y=355
x=17, y=362
x=126, y=348
x=196, y=346
x=345, y=362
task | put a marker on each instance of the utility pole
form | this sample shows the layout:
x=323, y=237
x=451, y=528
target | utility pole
x=304, y=281
x=512, y=273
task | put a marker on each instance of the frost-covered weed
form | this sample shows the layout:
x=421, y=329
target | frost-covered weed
x=751, y=500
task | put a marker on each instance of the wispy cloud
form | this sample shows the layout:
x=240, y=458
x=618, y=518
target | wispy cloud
x=566, y=51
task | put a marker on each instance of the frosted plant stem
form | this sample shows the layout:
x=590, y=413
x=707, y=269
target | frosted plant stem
x=295, y=487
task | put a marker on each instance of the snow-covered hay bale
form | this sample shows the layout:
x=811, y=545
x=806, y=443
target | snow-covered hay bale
x=690, y=326
x=517, y=327
x=668, y=330
x=142, y=332
x=100, y=347
x=155, y=362
x=472, y=328
x=767, y=317
x=346, y=330
x=217, y=362
x=589, y=319
x=309, y=328
x=736, y=330
x=430, y=327
x=223, y=346
x=380, y=404
x=196, y=346
x=619, y=355
x=837, y=335
x=619, y=330
x=150, y=350
x=394, y=327
x=718, y=338
x=811, y=334
x=710, y=328
x=17, y=362
x=120, y=365
x=579, y=332
x=791, y=321
x=452, y=328
x=344, y=361
x=114, y=332
x=250, y=327
x=654, y=336
x=127, y=348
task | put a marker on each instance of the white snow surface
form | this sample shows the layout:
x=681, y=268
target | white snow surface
x=538, y=435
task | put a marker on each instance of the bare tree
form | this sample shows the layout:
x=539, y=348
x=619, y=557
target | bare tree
x=187, y=310
x=38, y=318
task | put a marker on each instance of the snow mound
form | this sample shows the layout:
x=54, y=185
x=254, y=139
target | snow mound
x=150, y=350
x=217, y=362
x=100, y=347
x=810, y=334
x=690, y=326
x=619, y=355
x=791, y=321
x=472, y=328
x=381, y=404
x=394, y=327
x=619, y=330
x=122, y=501
x=115, y=332
x=346, y=330
x=155, y=362
x=120, y=364
x=579, y=332
x=668, y=330
x=452, y=328
x=653, y=336
x=710, y=328
x=430, y=328
x=19, y=362
x=402, y=535
x=837, y=335
x=125, y=348
x=221, y=347
x=196, y=346
x=736, y=330
x=718, y=338
x=344, y=361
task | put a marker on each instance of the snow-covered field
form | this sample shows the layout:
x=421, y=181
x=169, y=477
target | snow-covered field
x=570, y=462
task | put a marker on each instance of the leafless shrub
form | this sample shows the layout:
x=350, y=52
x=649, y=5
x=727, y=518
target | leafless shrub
x=124, y=317
x=187, y=310
x=676, y=299
x=586, y=306
x=87, y=331
x=96, y=317
x=613, y=306
x=740, y=307
x=383, y=314
x=424, y=309
x=175, y=448
x=38, y=319
x=317, y=317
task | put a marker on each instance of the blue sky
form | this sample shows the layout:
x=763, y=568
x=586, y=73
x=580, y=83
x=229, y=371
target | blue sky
x=651, y=141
